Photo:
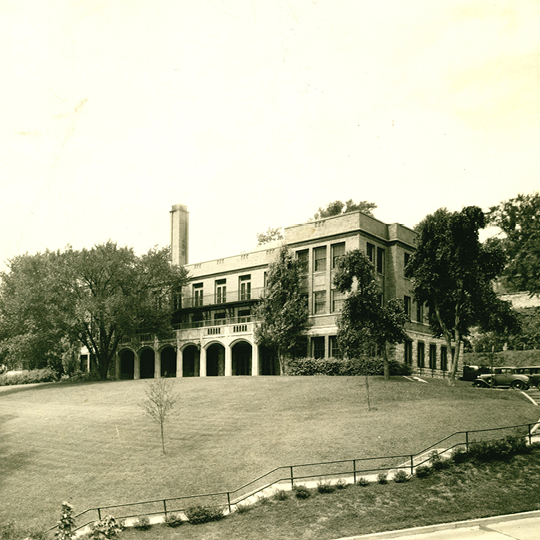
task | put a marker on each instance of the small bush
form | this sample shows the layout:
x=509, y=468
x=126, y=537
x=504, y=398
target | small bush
x=400, y=477
x=29, y=377
x=363, y=482
x=382, y=478
x=173, y=520
x=244, y=508
x=500, y=449
x=325, y=487
x=107, y=527
x=459, y=455
x=66, y=524
x=203, y=514
x=263, y=501
x=142, y=523
x=341, y=484
x=281, y=495
x=9, y=530
x=301, y=492
x=423, y=471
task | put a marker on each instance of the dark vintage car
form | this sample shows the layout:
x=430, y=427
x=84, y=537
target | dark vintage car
x=533, y=372
x=504, y=377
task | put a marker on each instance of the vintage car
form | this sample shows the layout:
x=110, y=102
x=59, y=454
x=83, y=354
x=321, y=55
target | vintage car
x=533, y=372
x=503, y=377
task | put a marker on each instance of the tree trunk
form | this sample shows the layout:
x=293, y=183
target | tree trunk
x=386, y=367
x=455, y=359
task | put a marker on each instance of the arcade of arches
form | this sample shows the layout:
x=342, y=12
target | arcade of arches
x=213, y=360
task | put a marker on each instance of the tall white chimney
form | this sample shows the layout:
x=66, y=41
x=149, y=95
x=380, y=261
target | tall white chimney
x=179, y=234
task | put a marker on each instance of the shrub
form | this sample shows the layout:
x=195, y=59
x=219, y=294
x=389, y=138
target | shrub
x=263, y=501
x=325, y=487
x=281, y=495
x=423, y=471
x=382, y=478
x=459, y=455
x=400, y=477
x=142, y=523
x=315, y=366
x=173, y=520
x=29, y=377
x=244, y=508
x=341, y=484
x=66, y=524
x=362, y=482
x=501, y=449
x=107, y=527
x=301, y=492
x=203, y=514
x=9, y=530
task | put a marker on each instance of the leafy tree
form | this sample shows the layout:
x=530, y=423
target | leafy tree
x=269, y=236
x=94, y=296
x=519, y=219
x=364, y=325
x=159, y=403
x=337, y=208
x=282, y=311
x=452, y=273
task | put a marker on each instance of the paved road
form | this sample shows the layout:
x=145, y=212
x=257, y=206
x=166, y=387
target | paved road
x=525, y=526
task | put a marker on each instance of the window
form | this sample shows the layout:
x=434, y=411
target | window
x=407, y=305
x=338, y=250
x=319, y=302
x=408, y=352
x=177, y=301
x=317, y=344
x=245, y=287
x=380, y=260
x=303, y=258
x=219, y=318
x=221, y=291
x=433, y=356
x=420, y=312
x=335, y=351
x=370, y=252
x=319, y=259
x=337, y=301
x=420, y=354
x=197, y=294
x=244, y=315
x=406, y=259
x=444, y=358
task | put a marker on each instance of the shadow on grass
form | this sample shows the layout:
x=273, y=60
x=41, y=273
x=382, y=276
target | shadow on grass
x=11, y=461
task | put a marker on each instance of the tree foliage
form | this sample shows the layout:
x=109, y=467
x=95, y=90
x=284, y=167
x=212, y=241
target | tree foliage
x=270, y=235
x=364, y=324
x=337, y=208
x=452, y=273
x=283, y=310
x=94, y=296
x=519, y=219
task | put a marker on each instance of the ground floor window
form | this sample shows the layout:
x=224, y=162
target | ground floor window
x=317, y=344
x=335, y=351
x=433, y=356
x=444, y=358
x=420, y=354
x=408, y=352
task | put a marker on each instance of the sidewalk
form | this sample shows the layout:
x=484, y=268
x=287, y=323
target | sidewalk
x=524, y=526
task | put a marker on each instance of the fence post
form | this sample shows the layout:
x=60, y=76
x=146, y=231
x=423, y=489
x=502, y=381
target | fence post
x=354, y=470
x=99, y=514
x=530, y=437
x=467, y=441
x=165, y=507
x=412, y=464
x=292, y=477
x=229, y=501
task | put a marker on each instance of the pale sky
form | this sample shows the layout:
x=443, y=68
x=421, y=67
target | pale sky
x=256, y=113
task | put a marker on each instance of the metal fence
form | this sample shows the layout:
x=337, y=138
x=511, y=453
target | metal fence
x=290, y=475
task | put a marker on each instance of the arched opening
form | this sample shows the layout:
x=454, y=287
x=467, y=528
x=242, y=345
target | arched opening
x=269, y=362
x=241, y=358
x=168, y=362
x=147, y=363
x=215, y=360
x=127, y=364
x=190, y=363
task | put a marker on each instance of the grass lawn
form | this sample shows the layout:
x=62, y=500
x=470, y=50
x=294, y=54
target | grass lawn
x=92, y=445
x=463, y=492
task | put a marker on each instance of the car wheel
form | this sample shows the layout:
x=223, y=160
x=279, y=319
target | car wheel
x=478, y=384
x=518, y=385
x=538, y=385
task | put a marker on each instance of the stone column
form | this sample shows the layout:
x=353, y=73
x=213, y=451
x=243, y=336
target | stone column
x=157, y=364
x=228, y=361
x=179, y=363
x=137, y=366
x=202, y=362
x=254, y=360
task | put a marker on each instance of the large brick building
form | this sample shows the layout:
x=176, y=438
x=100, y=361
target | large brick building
x=214, y=322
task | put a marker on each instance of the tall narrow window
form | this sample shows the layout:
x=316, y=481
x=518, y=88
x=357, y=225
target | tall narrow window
x=319, y=259
x=420, y=354
x=433, y=356
x=245, y=287
x=444, y=358
x=407, y=305
x=337, y=301
x=370, y=252
x=221, y=291
x=319, y=302
x=408, y=352
x=318, y=347
x=335, y=352
x=338, y=250
x=420, y=312
x=303, y=259
x=380, y=260
x=197, y=294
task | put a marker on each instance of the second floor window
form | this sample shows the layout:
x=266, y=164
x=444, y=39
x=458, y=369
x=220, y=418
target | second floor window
x=197, y=294
x=319, y=259
x=380, y=260
x=419, y=312
x=319, y=302
x=245, y=287
x=338, y=250
x=303, y=260
x=221, y=291
x=337, y=301
x=407, y=305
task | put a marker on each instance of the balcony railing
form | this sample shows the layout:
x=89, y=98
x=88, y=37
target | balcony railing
x=215, y=323
x=222, y=298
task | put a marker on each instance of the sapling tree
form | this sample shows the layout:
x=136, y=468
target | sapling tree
x=159, y=403
x=66, y=523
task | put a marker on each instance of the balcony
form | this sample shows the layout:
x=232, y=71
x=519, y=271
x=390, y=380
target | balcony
x=221, y=298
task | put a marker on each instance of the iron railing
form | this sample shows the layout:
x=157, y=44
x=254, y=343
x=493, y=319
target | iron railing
x=289, y=475
x=221, y=298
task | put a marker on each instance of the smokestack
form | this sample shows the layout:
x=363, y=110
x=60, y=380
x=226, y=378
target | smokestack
x=179, y=234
